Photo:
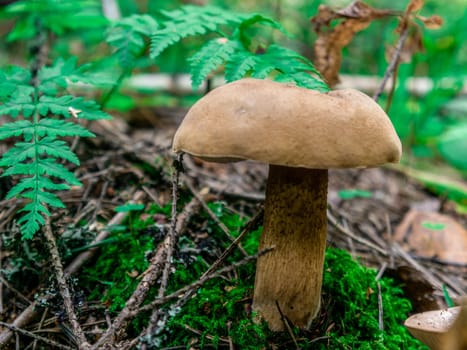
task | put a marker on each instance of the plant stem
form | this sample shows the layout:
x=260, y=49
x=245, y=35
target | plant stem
x=393, y=64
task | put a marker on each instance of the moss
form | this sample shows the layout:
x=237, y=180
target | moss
x=349, y=317
x=351, y=295
x=222, y=307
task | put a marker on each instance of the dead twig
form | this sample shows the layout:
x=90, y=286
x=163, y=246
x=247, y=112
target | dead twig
x=287, y=325
x=30, y=312
x=14, y=290
x=63, y=286
x=250, y=225
x=35, y=336
x=172, y=237
x=393, y=64
x=349, y=233
x=185, y=292
x=212, y=215
x=150, y=276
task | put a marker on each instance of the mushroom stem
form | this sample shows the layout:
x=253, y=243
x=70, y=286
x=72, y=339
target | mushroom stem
x=290, y=276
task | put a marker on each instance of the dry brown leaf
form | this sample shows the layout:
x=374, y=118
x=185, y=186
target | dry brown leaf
x=362, y=11
x=328, y=46
x=432, y=22
x=414, y=5
x=433, y=235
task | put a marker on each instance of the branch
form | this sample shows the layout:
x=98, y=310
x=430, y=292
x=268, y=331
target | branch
x=393, y=64
x=63, y=287
x=35, y=336
x=188, y=290
x=150, y=276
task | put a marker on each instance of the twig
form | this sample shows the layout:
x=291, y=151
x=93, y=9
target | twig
x=250, y=225
x=76, y=264
x=380, y=308
x=150, y=276
x=229, y=326
x=2, y=281
x=349, y=233
x=210, y=337
x=393, y=64
x=41, y=323
x=63, y=286
x=286, y=323
x=14, y=290
x=212, y=215
x=188, y=290
x=30, y=312
x=169, y=248
x=35, y=336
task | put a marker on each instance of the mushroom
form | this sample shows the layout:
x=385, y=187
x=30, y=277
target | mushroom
x=440, y=329
x=300, y=133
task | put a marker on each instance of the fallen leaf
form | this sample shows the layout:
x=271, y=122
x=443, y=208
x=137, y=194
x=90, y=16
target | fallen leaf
x=433, y=235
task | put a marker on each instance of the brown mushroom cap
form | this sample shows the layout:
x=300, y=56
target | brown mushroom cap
x=286, y=125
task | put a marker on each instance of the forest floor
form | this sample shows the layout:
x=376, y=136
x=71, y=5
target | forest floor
x=385, y=223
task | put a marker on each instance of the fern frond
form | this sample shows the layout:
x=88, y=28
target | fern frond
x=57, y=127
x=17, y=128
x=55, y=148
x=57, y=16
x=209, y=57
x=130, y=37
x=14, y=79
x=288, y=66
x=35, y=183
x=18, y=153
x=19, y=102
x=239, y=64
x=60, y=73
x=61, y=106
x=31, y=222
x=43, y=197
x=241, y=31
x=47, y=167
x=190, y=20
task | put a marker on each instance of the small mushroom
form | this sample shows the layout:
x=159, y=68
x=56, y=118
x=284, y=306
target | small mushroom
x=300, y=133
x=440, y=329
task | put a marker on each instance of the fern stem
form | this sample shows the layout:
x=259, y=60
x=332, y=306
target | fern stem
x=114, y=88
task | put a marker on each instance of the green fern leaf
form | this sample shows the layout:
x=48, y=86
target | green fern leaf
x=17, y=128
x=239, y=64
x=187, y=21
x=61, y=106
x=18, y=153
x=20, y=102
x=209, y=57
x=31, y=222
x=57, y=73
x=288, y=66
x=14, y=79
x=57, y=16
x=47, y=145
x=55, y=148
x=57, y=127
x=46, y=166
x=42, y=197
x=129, y=36
x=35, y=183
x=241, y=31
